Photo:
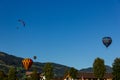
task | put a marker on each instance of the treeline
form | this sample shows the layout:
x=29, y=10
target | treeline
x=99, y=68
x=48, y=72
x=13, y=74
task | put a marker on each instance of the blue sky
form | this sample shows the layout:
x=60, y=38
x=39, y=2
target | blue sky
x=67, y=32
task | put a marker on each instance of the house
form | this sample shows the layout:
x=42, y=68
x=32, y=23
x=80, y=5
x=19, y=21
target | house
x=42, y=76
x=88, y=76
x=28, y=73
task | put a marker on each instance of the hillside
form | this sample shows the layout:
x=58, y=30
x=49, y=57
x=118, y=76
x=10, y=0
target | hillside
x=90, y=69
x=6, y=61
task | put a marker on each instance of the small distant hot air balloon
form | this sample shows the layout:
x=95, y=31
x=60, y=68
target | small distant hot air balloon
x=35, y=57
x=27, y=63
x=107, y=41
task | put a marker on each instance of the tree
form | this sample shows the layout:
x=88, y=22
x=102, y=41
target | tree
x=12, y=74
x=116, y=69
x=73, y=73
x=66, y=72
x=48, y=71
x=34, y=75
x=99, y=68
x=5, y=78
x=19, y=72
x=2, y=75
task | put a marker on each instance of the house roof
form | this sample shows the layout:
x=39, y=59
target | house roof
x=91, y=75
x=108, y=75
x=86, y=75
x=29, y=73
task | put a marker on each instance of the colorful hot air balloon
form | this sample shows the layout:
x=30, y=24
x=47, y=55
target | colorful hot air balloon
x=27, y=63
x=107, y=41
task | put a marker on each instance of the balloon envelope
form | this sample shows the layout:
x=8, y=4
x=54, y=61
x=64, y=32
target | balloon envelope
x=107, y=41
x=27, y=63
x=34, y=57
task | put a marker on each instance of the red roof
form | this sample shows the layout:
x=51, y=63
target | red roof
x=91, y=75
x=28, y=73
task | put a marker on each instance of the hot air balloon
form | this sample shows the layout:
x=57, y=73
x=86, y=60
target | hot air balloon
x=21, y=21
x=107, y=41
x=34, y=57
x=27, y=63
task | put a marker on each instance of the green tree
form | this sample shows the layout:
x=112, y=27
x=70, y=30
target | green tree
x=48, y=71
x=12, y=74
x=5, y=78
x=2, y=75
x=99, y=68
x=66, y=72
x=116, y=69
x=34, y=75
x=73, y=73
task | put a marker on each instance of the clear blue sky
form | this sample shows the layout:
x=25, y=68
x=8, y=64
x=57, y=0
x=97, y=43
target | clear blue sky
x=67, y=32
